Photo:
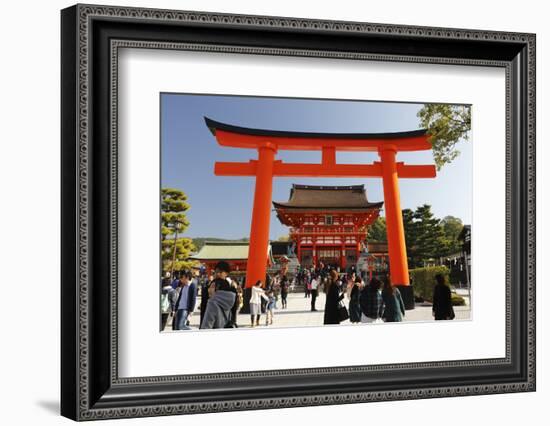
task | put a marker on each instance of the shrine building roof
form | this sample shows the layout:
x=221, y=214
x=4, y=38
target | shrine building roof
x=224, y=250
x=311, y=197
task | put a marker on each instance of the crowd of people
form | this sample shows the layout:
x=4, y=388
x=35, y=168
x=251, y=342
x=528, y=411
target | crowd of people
x=347, y=296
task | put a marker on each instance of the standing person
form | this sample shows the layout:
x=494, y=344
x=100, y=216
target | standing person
x=307, y=284
x=442, y=306
x=240, y=297
x=307, y=288
x=270, y=284
x=314, y=285
x=166, y=280
x=237, y=305
x=222, y=298
x=354, y=305
x=256, y=295
x=185, y=296
x=204, y=295
x=166, y=302
x=270, y=307
x=394, y=309
x=175, y=280
x=284, y=291
x=332, y=290
x=372, y=305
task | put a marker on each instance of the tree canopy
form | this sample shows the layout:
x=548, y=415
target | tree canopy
x=424, y=235
x=377, y=231
x=447, y=125
x=175, y=250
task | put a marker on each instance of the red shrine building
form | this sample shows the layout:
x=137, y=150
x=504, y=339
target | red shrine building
x=328, y=224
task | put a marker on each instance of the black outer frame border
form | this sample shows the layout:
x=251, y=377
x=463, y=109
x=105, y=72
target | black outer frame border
x=88, y=389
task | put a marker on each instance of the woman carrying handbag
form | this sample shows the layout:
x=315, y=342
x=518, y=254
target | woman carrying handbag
x=334, y=313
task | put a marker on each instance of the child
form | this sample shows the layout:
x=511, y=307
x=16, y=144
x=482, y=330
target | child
x=269, y=308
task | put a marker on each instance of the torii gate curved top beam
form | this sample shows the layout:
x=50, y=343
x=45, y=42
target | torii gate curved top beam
x=244, y=137
x=268, y=142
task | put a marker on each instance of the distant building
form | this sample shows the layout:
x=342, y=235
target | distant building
x=233, y=252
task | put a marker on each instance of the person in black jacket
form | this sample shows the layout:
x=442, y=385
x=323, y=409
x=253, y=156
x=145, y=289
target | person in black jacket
x=204, y=295
x=371, y=302
x=332, y=302
x=442, y=306
x=354, y=304
x=284, y=291
x=185, y=296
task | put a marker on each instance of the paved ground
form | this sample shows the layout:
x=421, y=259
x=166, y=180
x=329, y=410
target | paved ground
x=298, y=313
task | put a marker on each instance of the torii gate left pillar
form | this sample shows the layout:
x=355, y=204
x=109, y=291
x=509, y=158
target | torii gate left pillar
x=399, y=268
x=261, y=215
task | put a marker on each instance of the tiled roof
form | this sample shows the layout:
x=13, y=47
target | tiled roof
x=327, y=197
x=223, y=250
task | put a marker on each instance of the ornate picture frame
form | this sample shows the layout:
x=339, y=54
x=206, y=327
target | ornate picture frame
x=90, y=384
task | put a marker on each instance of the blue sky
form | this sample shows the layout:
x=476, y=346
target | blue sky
x=221, y=206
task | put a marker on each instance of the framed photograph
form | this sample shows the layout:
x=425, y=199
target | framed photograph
x=266, y=212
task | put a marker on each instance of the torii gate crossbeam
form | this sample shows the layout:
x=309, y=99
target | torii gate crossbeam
x=268, y=142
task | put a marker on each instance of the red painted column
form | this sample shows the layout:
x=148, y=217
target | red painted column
x=261, y=215
x=399, y=269
x=342, y=256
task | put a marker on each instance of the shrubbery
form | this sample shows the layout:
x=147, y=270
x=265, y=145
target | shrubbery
x=457, y=300
x=423, y=280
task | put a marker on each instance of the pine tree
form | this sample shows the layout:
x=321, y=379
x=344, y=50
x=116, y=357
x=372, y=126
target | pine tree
x=377, y=231
x=431, y=238
x=424, y=236
x=175, y=249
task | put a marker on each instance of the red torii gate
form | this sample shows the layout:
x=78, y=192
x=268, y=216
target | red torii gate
x=268, y=142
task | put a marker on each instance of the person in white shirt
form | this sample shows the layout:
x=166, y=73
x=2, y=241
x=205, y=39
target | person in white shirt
x=256, y=295
x=314, y=291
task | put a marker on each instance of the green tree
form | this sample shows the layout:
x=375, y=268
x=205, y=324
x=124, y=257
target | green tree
x=411, y=237
x=452, y=227
x=424, y=236
x=377, y=231
x=447, y=125
x=431, y=238
x=175, y=250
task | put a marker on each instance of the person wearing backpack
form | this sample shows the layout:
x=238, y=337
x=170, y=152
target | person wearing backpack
x=221, y=301
x=371, y=302
x=394, y=308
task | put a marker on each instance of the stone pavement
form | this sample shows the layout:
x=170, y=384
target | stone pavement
x=298, y=313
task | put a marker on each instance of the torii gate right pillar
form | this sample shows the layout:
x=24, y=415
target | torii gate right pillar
x=399, y=270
